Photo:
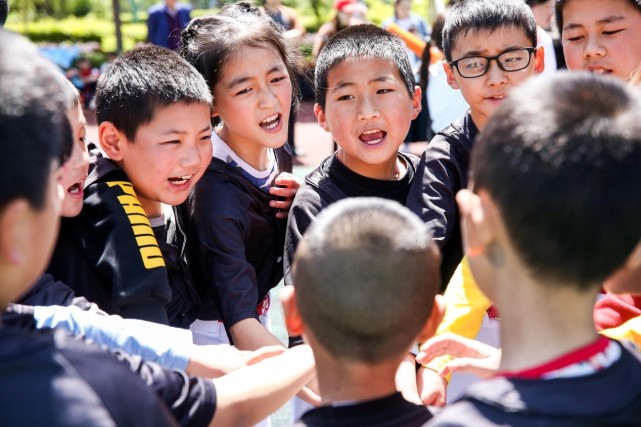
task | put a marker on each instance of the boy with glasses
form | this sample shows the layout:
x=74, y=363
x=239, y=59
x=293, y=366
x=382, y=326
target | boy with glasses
x=489, y=47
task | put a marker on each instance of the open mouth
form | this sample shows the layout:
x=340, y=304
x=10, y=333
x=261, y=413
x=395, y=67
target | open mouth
x=599, y=71
x=179, y=180
x=270, y=122
x=76, y=188
x=372, y=137
x=496, y=98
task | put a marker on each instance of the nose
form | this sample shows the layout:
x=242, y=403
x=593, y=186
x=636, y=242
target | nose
x=367, y=108
x=495, y=75
x=593, y=47
x=191, y=156
x=267, y=98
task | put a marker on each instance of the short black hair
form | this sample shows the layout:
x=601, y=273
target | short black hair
x=559, y=5
x=33, y=124
x=4, y=11
x=208, y=42
x=564, y=169
x=366, y=274
x=140, y=81
x=474, y=16
x=362, y=41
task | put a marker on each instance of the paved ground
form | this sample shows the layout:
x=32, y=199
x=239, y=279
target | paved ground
x=315, y=144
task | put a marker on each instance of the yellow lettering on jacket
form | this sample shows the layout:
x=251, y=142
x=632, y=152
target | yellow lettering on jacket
x=145, y=239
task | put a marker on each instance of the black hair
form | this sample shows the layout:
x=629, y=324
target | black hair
x=140, y=81
x=33, y=124
x=362, y=41
x=209, y=41
x=559, y=5
x=366, y=273
x=533, y=3
x=474, y=16
x=564, y=170
x=4, y=11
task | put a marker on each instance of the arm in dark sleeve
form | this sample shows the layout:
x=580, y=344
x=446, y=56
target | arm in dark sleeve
x=441, y=173
x=305, y=208
x=120, y=244
x=191, y=400
x=222, y=220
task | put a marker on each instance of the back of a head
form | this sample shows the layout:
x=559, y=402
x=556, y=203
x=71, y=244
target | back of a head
x=209, y=41
x=559, y=5
x=474, y=16
x=142, y=80
x=564, y=169
x=33, y=125
x=366, y=274
x=362, y=41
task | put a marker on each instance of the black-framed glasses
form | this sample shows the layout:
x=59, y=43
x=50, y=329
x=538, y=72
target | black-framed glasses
x=510, y=60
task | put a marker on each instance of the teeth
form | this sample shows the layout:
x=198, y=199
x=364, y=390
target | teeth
x=179, y=180
x=599, y=71
x=367, y=132
x=374, y=141
x=270, y=119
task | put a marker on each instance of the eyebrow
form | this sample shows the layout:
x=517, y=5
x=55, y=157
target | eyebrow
x=243, y=79
x=182, y=132
x=347, y=83
x=483, y=52
x=608, y=20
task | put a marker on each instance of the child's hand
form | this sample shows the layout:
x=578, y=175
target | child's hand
x=285, y=187
x=472, y=356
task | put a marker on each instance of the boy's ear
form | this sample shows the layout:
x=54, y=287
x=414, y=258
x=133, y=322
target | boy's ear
x=14, y=225
x=111, y=140
x=293, y=319
x=213, y=111
x=449, y=72
x=321, y=117
x=434, y=319
x=539, y=60
x=476, y=225
x=416, y=102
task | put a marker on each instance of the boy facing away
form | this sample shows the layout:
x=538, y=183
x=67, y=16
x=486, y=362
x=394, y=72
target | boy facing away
x=365, y=280
x=546, y=174
x=153, y=113
x=490, y=47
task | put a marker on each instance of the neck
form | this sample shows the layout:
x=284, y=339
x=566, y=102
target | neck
x=152, y=208
x=255, y=155
x=557, y=320
x=392, y=170
x=345, y=381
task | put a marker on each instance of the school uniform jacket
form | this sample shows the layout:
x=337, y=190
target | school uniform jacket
x=52, y=379
x=110, y=255
x=235, y=241
x=443, y=171
x=610, y=397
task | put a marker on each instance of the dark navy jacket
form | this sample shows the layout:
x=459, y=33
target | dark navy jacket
x=48, y=378
x=235, y=241
x=611, y=397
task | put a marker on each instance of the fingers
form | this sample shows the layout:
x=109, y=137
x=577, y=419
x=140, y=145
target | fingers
x=453, y=345
x=482, y=368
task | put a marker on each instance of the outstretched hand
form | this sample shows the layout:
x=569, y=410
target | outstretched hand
x=471, y=356
x=285, y=187
x=213, y=361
